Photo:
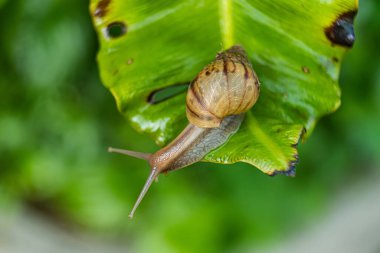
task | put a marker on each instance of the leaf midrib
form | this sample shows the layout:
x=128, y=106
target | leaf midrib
x=226, y=23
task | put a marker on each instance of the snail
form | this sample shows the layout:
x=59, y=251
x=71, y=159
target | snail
x=215, y=105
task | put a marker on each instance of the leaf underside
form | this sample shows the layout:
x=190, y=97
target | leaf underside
x=295, y=47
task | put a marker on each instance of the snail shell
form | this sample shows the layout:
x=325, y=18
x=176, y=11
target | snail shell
x=227, y=86
x=215, y=103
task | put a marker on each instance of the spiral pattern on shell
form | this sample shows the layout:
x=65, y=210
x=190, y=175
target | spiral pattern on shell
x=227, y=86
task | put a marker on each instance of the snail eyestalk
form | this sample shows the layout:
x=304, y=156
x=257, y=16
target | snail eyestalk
x=152, y=176
x=144, y=156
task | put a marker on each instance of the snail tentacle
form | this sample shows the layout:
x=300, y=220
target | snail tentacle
x=152, y=176
x=144, y=156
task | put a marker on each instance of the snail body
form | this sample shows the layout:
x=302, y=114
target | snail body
x=215, y=104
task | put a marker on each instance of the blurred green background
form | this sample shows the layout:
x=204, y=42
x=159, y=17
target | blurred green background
x=56, y=121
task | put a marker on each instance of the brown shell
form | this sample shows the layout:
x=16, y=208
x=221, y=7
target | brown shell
x=227, y=86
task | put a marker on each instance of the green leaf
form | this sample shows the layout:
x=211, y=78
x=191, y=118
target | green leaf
x=295, y=47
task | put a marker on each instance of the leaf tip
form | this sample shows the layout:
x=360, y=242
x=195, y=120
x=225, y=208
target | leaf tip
x=102, y=8
x=290, y=171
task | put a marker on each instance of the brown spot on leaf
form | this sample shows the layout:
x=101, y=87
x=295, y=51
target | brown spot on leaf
x=130, y=61
x=335, y=59
x=101, y=9
x=305, y=70
x=341, y=31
